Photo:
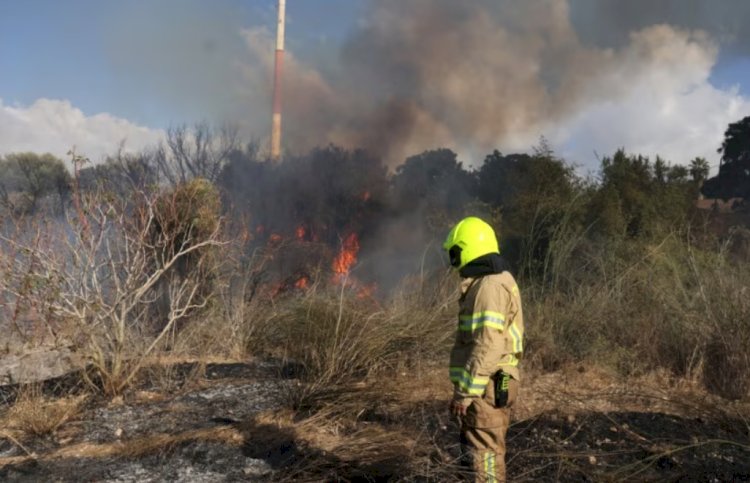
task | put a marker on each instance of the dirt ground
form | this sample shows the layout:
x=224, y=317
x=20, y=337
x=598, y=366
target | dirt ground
x=231, y=422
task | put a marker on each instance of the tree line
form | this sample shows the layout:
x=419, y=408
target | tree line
x=331, y=189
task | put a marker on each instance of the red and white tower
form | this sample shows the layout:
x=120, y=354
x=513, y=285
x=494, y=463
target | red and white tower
x=277, y=75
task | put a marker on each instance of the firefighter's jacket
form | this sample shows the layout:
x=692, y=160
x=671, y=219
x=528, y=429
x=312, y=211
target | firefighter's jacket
x=489, y=337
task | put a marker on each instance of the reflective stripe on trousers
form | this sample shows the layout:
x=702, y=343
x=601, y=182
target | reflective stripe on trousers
x=490, y=476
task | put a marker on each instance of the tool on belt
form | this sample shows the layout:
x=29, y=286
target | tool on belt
x=502, y=384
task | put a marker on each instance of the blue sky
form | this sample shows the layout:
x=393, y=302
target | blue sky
x=732, y=70
x=131, y=69
x=64, y=49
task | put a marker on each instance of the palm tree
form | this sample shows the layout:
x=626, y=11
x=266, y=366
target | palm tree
x=699, y=170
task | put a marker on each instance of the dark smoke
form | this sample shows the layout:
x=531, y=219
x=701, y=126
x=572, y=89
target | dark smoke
x=311, y=204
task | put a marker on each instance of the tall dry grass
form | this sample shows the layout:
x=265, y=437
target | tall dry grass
x=639, y=307
x=335, y=337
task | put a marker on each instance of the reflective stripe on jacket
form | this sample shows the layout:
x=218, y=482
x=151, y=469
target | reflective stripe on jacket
x=490, y=333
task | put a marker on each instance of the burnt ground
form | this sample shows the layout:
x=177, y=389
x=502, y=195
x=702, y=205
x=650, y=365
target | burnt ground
x=197, y=433
x=152, y=436
x=628, y=446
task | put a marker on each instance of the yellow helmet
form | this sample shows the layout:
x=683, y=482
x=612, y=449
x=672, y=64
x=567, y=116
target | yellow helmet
x=468, y=240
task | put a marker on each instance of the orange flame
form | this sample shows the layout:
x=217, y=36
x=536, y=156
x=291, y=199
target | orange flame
x=300, y=232
x=302, y=283
x=274, y=238
x=245, y=235
x=347, y=257
x=367, y=291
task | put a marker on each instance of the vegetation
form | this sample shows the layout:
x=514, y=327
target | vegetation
x=28, y=178
x=620, y=272
x=733, y=179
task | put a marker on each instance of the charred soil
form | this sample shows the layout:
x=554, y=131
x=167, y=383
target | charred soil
x=242, y=422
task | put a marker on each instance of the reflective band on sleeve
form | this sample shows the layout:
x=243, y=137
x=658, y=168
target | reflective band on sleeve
x=487, y=318
x=517, y=339
x=472, y=385
x=456, y=373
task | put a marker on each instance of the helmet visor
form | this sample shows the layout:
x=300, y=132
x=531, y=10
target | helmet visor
x=455, y=255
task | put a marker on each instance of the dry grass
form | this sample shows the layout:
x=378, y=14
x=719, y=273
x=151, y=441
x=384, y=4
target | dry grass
x=658, y=306
x=387, y=429
x=156, y=443
x=665, y=317
x=134, y=448
x=336, y=339
x=35, y=414
x=372, y=393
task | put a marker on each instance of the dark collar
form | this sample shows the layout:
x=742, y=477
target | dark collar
x=484, y=265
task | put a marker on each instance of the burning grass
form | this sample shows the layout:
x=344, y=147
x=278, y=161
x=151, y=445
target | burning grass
x=372, y=383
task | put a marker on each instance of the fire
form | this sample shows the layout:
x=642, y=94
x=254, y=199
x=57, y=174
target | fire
x=300, y=232
x=274, y=238
x=367, y=291
x=278, y=289
x=347, y=257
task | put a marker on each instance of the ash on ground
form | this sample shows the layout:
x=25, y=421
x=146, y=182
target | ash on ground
x=199, y=432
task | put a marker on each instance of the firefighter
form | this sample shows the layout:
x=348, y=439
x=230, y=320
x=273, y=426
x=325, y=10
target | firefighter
x=489, y=343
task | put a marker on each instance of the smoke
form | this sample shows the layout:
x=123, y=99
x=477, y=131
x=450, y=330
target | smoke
x=475, y=76
x=470, y=76
x=176, y=61
x=610, y=22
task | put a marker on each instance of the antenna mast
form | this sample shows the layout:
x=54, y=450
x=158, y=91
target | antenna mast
x=277, y=74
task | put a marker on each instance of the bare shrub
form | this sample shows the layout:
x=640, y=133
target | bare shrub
x=197, y=152
x=236, y=323
x=100, y=277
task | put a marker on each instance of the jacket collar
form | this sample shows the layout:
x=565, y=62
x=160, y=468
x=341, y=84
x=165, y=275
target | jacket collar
x=484, y=265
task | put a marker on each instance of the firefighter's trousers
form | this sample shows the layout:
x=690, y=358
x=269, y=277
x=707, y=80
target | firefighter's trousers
x=482, y=438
